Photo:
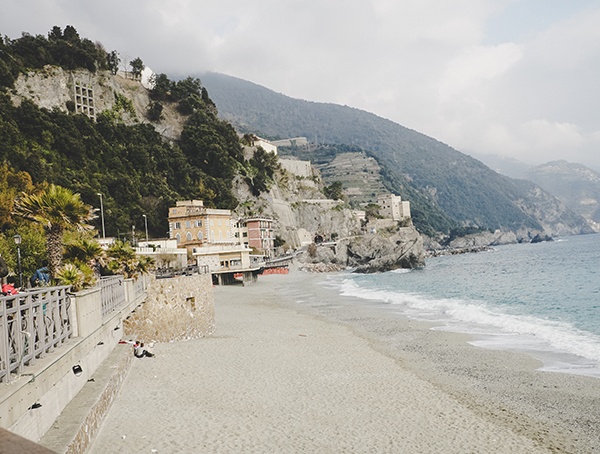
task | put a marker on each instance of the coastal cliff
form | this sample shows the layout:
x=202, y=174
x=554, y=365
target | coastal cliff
x=302, y=212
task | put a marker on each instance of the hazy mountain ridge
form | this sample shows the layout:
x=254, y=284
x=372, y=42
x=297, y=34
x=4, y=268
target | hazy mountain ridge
x=447, y=188
x=575, y=184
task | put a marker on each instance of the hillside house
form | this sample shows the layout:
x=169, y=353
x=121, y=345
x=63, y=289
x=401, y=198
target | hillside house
x=393, y=207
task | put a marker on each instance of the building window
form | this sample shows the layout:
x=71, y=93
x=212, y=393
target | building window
x=188, y=236
x=178, y=238
x=188, y=224
x=199, y=223
x=177, y=225
x=200, y=235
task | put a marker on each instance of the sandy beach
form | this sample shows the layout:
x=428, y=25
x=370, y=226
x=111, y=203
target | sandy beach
x=293, y=367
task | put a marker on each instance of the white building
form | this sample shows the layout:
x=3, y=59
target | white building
x=392, y=207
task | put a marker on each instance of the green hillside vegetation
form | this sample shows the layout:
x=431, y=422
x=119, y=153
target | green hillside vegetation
x=136, y=170
x=447, y=189
x=60, y=48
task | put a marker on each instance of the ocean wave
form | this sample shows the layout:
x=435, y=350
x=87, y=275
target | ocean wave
x=477, y=317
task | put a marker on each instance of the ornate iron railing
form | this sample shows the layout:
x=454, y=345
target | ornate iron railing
x=112, y=293
x=32, y=324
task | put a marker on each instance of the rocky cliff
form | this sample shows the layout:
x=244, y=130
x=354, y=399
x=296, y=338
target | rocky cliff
x=303, y=213
x=56, y=88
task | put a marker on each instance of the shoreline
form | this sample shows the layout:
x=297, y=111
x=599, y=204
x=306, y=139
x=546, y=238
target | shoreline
x=294, y=366
x=562, y=408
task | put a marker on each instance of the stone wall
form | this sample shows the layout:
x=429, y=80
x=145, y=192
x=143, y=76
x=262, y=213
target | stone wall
x=178, y=308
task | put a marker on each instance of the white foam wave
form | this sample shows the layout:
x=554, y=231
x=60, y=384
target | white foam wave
x=477, y=318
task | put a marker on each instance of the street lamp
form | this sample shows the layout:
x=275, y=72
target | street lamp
x=133, y=235
x=102, y=214
x=146, y=225
x=18, y=239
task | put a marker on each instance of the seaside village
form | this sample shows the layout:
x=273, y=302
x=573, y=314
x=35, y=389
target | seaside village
x=65, y=354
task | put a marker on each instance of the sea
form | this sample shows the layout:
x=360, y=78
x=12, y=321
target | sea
x=541, y=299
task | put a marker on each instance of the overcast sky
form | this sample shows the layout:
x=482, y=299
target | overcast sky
x=517, y=78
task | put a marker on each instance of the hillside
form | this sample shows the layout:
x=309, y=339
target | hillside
x=576, y=185
x=67, y=117
x=447, y=189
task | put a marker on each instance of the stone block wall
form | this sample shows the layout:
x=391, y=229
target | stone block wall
x=178, y=308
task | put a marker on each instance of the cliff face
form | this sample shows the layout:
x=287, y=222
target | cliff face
x=53, y=88
x=300, y=209
x=296, y=202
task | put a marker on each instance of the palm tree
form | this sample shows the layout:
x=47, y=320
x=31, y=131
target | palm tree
x=57, y=209
x=84, y=250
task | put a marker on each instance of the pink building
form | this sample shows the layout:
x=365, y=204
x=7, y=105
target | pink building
x=258, y=234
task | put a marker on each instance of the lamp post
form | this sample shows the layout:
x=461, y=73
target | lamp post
x=17, y=239
x=102, y=215
x=133, y=235
x=146, y=226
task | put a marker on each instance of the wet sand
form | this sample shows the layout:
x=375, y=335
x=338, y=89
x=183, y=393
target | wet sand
x=294, y=367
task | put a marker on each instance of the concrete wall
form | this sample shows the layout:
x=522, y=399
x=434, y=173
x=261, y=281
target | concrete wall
x=297, y=167
x=91, y=424
x=51, y=382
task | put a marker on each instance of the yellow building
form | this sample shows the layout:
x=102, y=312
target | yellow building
x=193, y=225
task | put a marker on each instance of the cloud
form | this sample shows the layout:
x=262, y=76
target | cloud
x=476, y=74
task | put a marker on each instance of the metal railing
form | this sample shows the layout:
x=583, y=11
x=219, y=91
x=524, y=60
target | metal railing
x=112, y=294
x=32, y=324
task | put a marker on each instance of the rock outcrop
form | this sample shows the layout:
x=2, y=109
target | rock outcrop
x=380, y=252
x=369, y=253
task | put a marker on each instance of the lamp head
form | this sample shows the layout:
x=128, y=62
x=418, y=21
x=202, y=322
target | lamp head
x=17, y=239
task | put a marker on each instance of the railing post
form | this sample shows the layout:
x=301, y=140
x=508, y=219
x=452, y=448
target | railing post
x=16, y=338
x=4, y=345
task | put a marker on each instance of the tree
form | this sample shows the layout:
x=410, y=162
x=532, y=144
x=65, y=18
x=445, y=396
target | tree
x=335, y=191
x=123, y=260
x=113, y=61
x=260, y=170
x=137, y=66
x=70, y=34
x=55, y=34
x=57, y=209
x=12, y=183
x=154, y=112
x=372, y=211
x=161, y=87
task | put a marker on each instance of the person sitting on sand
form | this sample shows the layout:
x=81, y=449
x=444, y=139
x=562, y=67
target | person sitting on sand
x=139, y=351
